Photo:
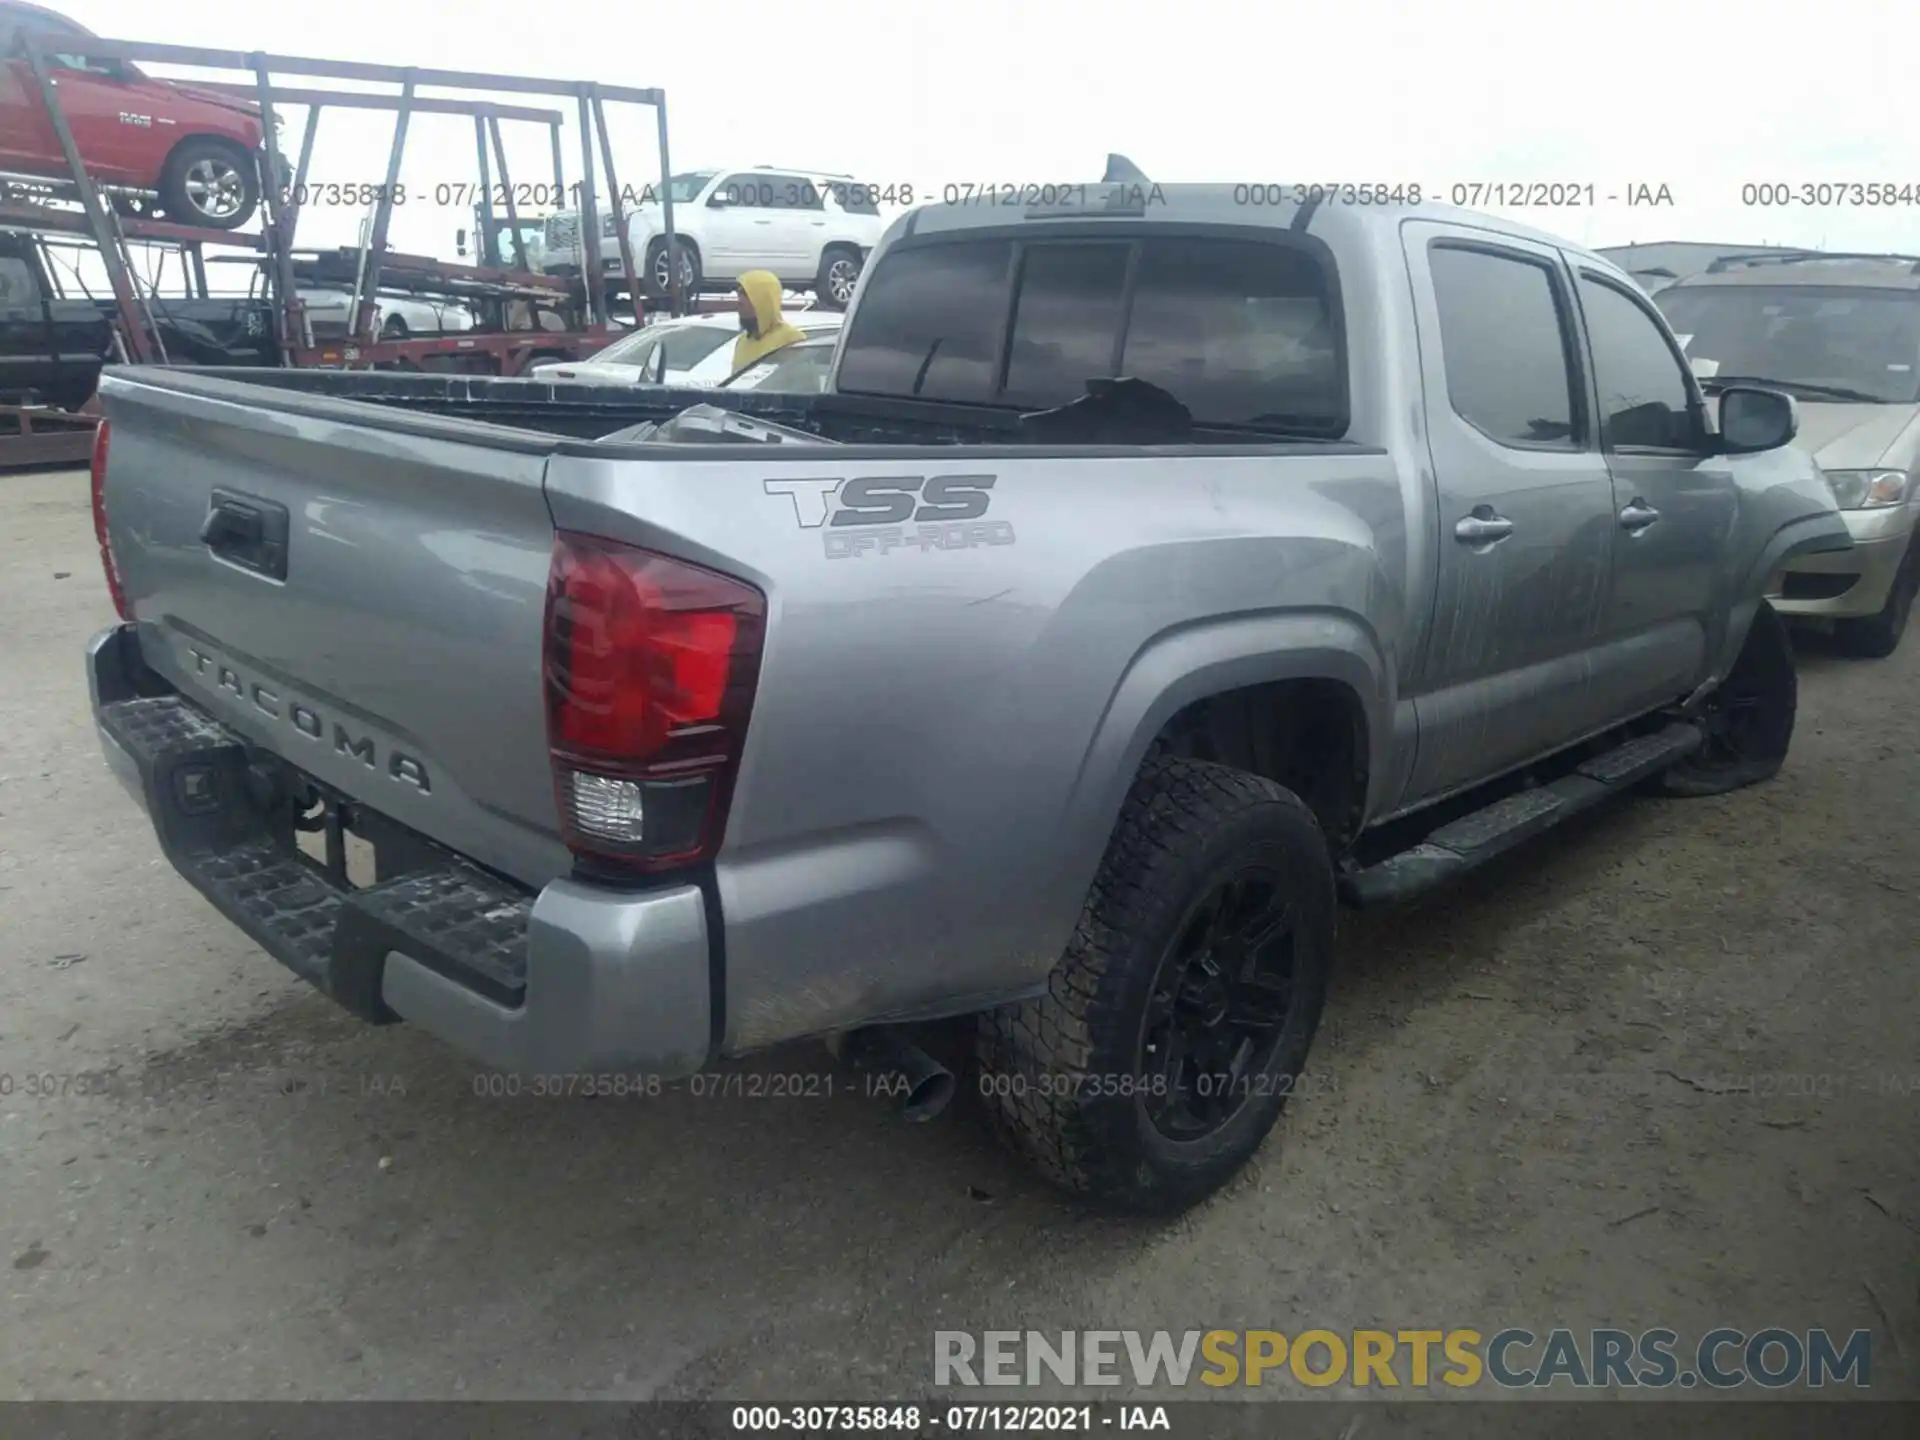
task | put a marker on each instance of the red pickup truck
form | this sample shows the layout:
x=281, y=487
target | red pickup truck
x=197, y=150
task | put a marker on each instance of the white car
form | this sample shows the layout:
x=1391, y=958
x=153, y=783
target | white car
x=396, y=317
x=695, y=351
x=811, y=229
x=801, y=368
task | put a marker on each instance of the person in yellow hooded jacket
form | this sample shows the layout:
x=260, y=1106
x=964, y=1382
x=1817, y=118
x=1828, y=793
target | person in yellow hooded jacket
x=757, y=297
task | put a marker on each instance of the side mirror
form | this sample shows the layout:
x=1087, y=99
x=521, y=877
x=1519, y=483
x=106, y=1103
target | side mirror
x=1753, y=419
x=719, y=200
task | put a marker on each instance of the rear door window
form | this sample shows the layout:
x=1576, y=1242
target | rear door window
x=929, y=323
x=1504, y=340
x=791, y=192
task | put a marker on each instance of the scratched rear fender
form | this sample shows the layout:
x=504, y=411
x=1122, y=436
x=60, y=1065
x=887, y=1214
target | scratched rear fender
x=964, y=655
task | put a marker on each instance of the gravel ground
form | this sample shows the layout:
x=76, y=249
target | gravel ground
x=1660, y=1070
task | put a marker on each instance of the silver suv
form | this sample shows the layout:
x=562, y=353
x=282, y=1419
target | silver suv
x=1841, y=333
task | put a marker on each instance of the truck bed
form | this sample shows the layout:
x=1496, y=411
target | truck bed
x=591, y=412
x=588, y=412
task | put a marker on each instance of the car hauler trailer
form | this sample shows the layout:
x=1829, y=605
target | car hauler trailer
x=524, y=316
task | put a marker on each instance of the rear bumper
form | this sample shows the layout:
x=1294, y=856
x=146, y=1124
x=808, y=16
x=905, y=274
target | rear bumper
x=577, y=979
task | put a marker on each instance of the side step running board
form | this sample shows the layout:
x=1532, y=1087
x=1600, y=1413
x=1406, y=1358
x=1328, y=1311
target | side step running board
x=1462, y=845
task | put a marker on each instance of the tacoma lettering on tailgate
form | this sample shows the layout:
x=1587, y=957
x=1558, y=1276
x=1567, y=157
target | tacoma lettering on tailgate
x=310, y=723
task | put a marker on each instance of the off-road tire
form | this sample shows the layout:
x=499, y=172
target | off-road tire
x=823, y=284
x=1763, y=689
x=178, y=205
x=1874, y=637
x=1053, y=1070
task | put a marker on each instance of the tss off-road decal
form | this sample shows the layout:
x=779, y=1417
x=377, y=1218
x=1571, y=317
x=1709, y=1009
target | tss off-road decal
x=885, y=513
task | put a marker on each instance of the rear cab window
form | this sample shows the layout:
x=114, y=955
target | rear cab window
x=1245, y=332
x=930, y=322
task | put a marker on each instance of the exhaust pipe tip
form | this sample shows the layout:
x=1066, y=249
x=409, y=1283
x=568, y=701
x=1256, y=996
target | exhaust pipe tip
x=929, y=1087
x=928, y=1098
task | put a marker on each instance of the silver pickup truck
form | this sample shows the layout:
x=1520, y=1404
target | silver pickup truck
x=1160, y=570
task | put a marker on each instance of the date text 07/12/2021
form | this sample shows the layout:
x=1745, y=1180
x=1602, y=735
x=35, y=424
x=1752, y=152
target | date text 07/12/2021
x=1474, y=194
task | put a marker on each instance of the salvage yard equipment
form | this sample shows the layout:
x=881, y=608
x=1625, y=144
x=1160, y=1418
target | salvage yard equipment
x=526, y=316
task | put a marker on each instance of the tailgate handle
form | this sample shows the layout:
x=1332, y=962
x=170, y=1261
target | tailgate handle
x=247, y=531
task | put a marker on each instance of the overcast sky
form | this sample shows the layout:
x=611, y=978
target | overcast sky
x=1700, y=97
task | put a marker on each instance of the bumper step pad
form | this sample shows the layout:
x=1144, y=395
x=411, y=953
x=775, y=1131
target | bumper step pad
x=454, y=918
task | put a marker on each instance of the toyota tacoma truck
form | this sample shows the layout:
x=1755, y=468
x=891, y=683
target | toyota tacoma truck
x=1157, y=572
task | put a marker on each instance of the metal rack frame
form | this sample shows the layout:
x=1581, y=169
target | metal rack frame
x=40, y=435
x=507, y=348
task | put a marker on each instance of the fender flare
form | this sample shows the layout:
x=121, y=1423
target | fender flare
x=1809, y=535
x=1180, y=666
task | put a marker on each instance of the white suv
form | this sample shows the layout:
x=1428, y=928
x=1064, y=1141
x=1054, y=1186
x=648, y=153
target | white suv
x=812, y=229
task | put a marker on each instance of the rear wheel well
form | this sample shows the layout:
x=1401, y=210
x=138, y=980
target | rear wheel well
x=1309, y=736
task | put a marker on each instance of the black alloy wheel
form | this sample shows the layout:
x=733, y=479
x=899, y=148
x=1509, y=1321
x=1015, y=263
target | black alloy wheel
x=1219, y=1006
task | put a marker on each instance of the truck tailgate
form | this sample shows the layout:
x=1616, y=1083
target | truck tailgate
x=391, y=646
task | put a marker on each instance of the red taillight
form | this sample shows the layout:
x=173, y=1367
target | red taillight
x=650, y=668
x=99, y=469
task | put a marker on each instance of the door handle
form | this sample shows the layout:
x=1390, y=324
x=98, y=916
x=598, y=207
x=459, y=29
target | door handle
x=1637, y=516
x=247, y=531
x=1482, y=527
x=763, y=222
